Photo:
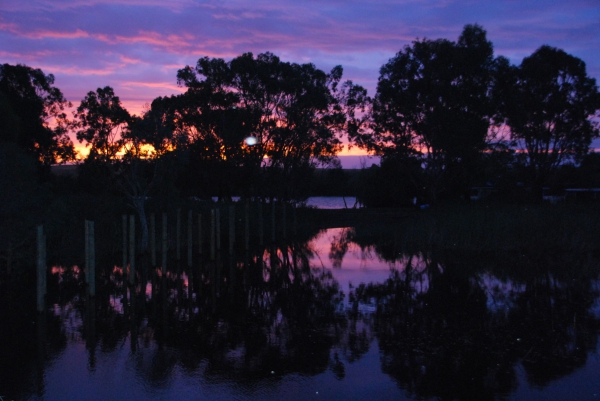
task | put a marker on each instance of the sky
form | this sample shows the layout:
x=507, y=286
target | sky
x=137, y=46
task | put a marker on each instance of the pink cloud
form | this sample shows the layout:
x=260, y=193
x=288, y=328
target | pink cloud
x=229, y=16
x=129, y=60
x=8, y=26
x=173, y=43
x=62, y=5
x=154, y=85
x=81, y=70
x=92, y=43
x=30, y=56
x=55, y=34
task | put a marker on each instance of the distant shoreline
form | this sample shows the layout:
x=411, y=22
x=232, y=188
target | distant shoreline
x=347, y=162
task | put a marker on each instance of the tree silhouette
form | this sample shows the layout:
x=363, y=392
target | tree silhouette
x=434, y=102
x=125, y=152
x=548, y=108
x=33, y=114
x=101, y=121
x=296, y=112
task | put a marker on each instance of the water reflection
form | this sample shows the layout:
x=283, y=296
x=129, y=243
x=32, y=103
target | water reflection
x=445, y=325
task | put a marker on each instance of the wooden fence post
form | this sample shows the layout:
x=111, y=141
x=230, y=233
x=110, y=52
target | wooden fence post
x=212, y=234
x=261, y=231
x=295, y=222
x=153, y=239
x=189, y=239
x=124, y=217
x=231, y=228
x=164, y=245
x=41, y=269
x=178, y=235
x=132, y=249
x=273, y=221
x=200, y=238
x=86, y=245
x=246, y=225
x=90, y=265
x=218, y=226
x=283, y=220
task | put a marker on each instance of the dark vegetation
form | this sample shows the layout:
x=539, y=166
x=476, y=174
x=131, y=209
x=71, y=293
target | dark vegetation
x=447, y=116
x=450, y=321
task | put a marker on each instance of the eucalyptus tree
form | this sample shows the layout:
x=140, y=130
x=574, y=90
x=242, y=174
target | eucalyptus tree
x=124, y=149
x=212, y=126
x=33, y=114
x=296, y=112
x=33, y=136
x=435, y=102
x=549, y=107
x=102, y=121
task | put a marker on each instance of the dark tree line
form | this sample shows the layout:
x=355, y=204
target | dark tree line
x=445, y=113
x=446, y=116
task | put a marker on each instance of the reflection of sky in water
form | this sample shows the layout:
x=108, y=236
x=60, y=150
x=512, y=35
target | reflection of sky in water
x=365, y=266
x=501, y=295
x=331, y=202
x=319, y=202
x=358, y=266
x=156, y=372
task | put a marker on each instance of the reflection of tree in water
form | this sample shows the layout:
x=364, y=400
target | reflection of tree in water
x=339, y=246
x=449, y=325
x=555, y=327
x=270, y=315
x=27, y=341
x=442, y=340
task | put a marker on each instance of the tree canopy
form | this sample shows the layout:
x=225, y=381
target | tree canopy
x=33, y=114
x=548, y=107
x=434, y=101
x=296, y=112
x=101, y=121
x=433, y=118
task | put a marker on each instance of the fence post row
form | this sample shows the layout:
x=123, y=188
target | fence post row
x=128, y=246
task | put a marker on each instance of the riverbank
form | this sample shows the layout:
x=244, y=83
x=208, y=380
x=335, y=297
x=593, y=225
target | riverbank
x=476, y=227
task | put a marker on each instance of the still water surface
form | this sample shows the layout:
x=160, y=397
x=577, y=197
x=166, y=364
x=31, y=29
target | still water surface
x=339, y=315
x=322, y=202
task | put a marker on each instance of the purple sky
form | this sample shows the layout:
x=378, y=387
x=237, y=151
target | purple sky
x=137, y=46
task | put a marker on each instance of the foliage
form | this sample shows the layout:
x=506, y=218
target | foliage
x=33, y=114
x=548, y=108
x=434, y=102
x=101, y=121
x=22, y=204
x=393, y=184
x=296, y=112
x=119, y=154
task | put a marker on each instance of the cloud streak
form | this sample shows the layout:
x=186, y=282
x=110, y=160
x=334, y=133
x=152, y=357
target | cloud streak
x=136, y=46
